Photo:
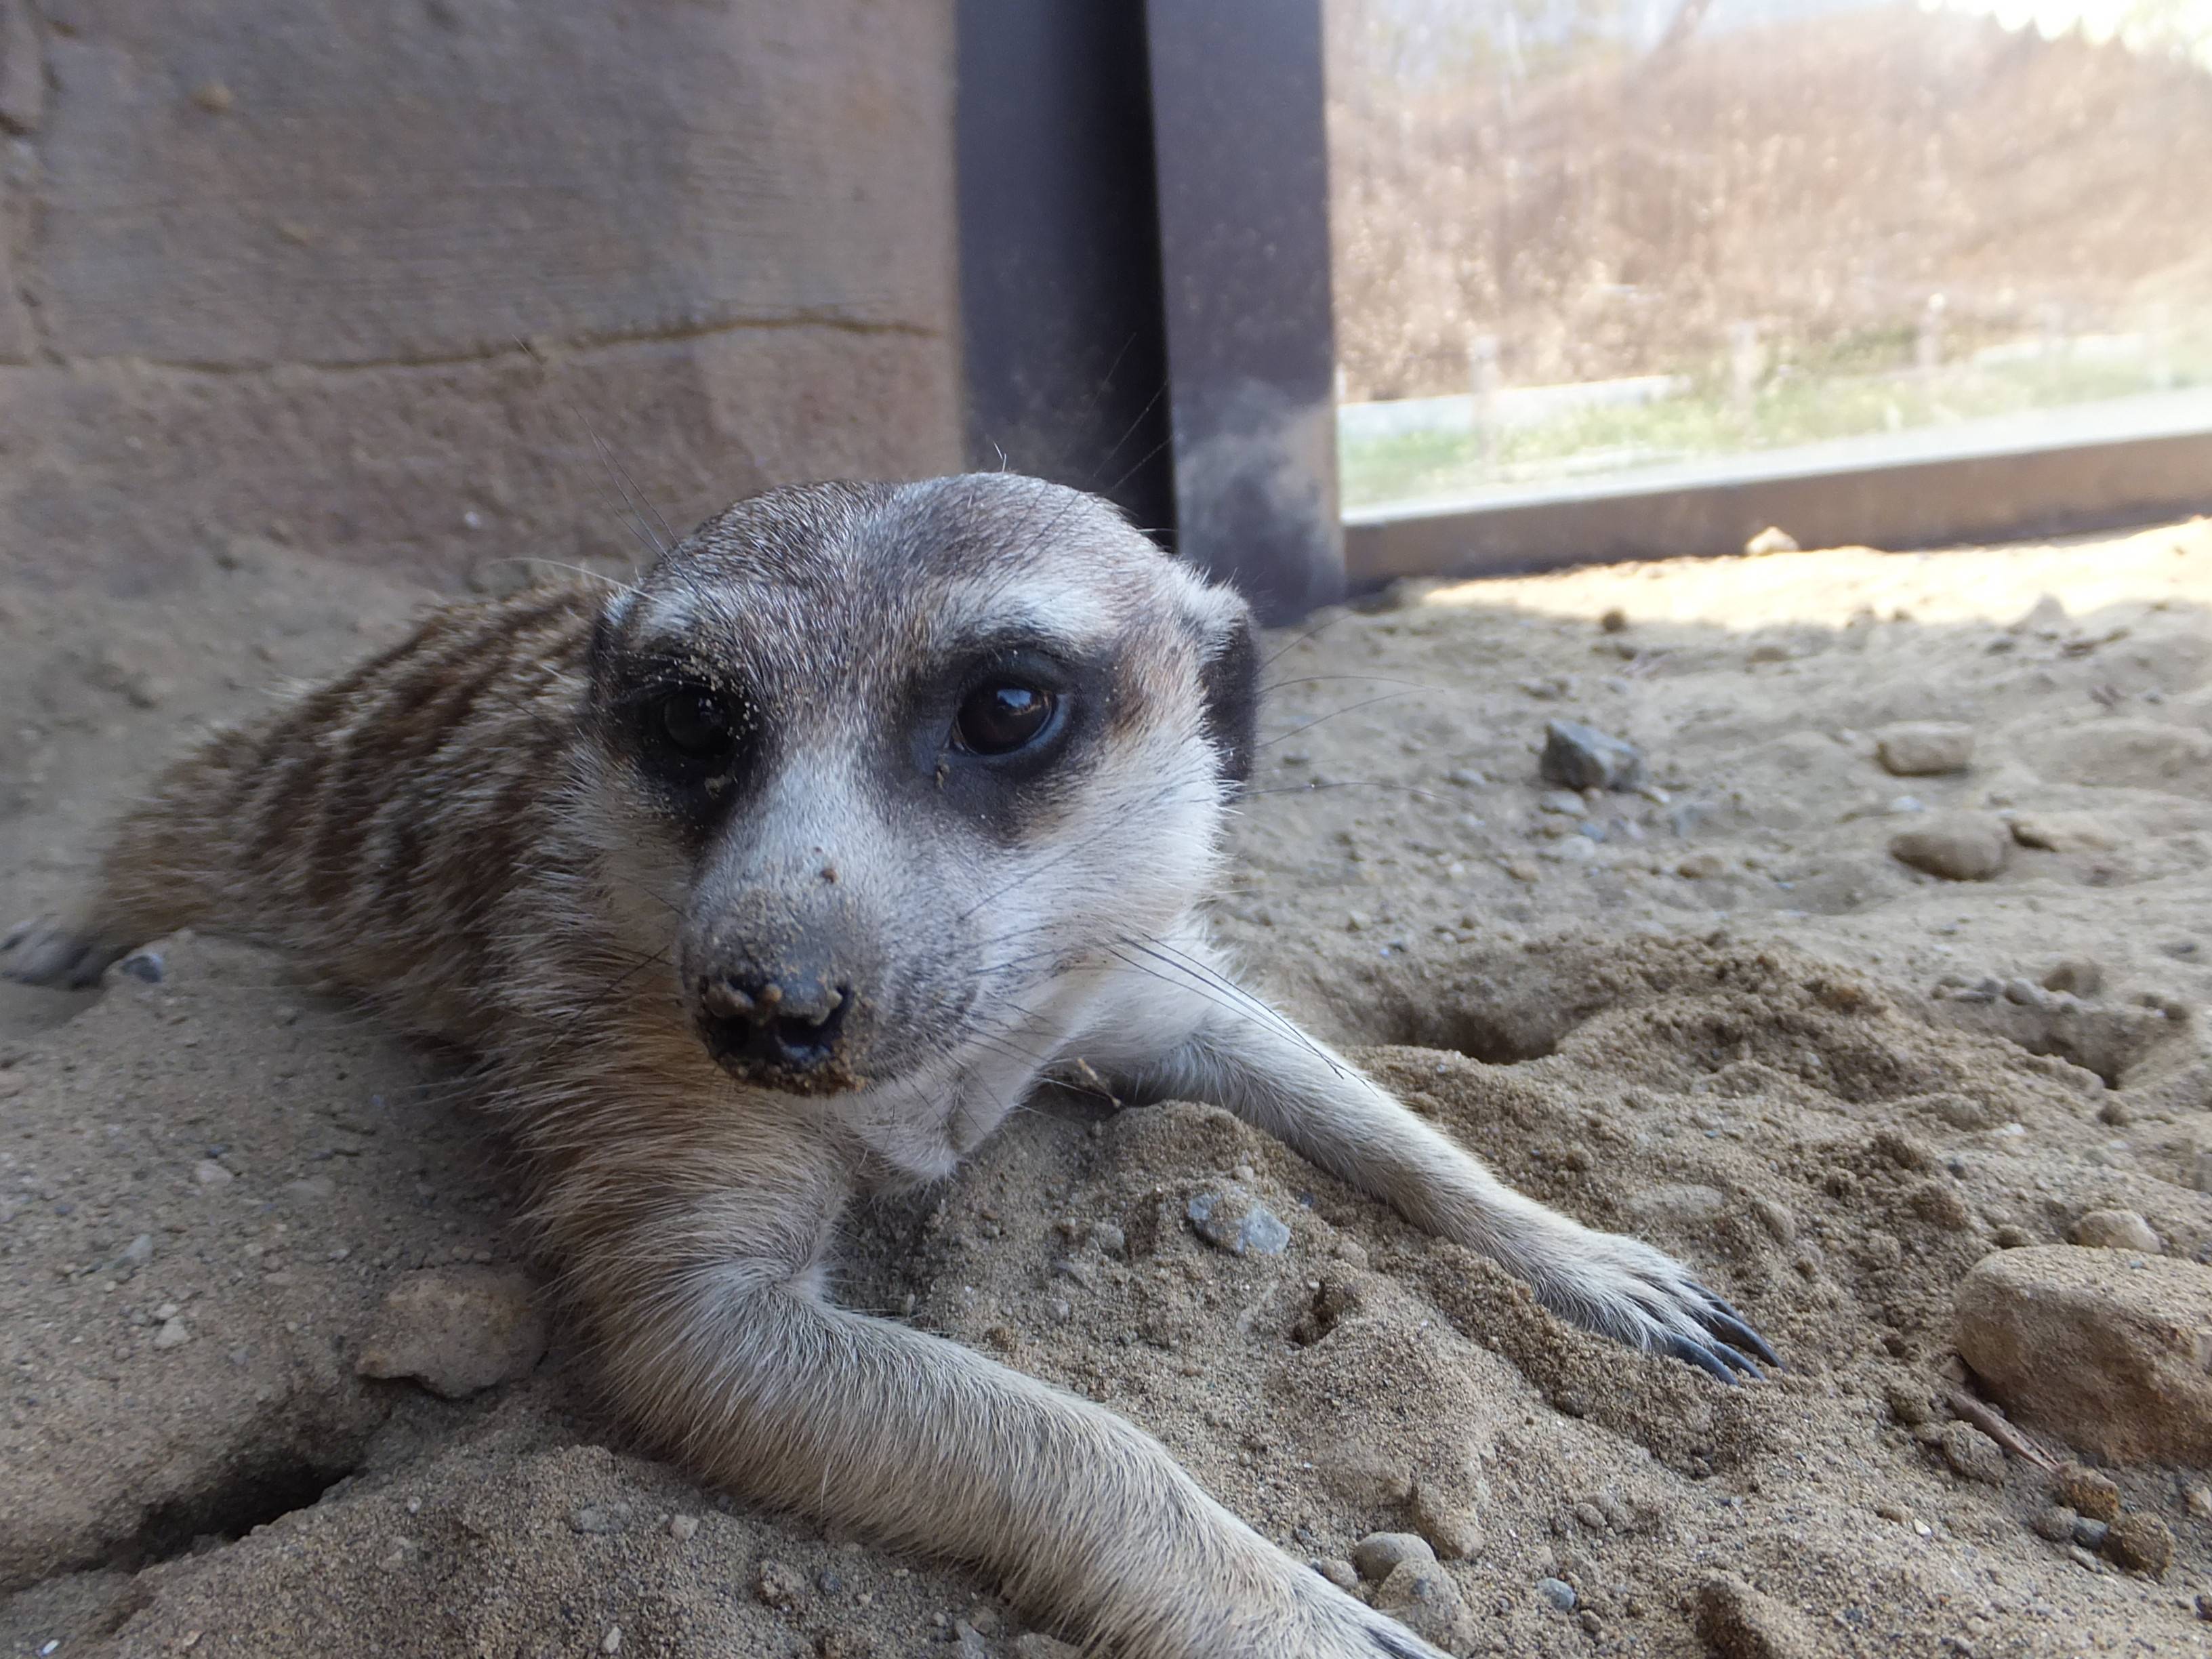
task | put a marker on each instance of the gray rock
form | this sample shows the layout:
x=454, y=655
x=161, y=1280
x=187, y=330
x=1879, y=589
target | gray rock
x=1377, y=1555
x=1956, y=846
x=2054, y=1522
x=456, y=1330
x=1924, y=748
x=2116, y=1229
x=1559, y=1593
x=174, y=1333
x=1578, y=757
x=2102, y=1348
x=1421, y=1595
x=1340, y=1573
x=2063, y=832
x=140, y=1250
x=142, y=965
x=2089, y=1532
x=1235, y=1222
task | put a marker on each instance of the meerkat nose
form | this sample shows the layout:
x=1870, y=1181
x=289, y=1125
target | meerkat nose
x=790, y=1023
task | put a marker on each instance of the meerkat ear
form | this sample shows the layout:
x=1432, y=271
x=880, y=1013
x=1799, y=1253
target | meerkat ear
x=1229, y=678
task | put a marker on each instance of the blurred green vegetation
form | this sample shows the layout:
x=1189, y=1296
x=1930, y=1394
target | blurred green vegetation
x=1817, y=396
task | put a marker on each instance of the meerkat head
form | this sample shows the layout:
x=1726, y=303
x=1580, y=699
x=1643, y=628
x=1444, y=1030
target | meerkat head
x=882, y=770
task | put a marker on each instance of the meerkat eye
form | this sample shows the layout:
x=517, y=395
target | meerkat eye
x=1001, y=716
x=696, y=723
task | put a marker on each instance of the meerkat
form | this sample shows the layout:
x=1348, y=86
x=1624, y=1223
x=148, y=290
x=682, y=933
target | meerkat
x=781, y=875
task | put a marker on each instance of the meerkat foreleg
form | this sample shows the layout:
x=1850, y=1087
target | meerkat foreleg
x=716, y=1338
x=1226, y=1046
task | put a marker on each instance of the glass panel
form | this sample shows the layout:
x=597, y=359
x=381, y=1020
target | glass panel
x=1577, y=238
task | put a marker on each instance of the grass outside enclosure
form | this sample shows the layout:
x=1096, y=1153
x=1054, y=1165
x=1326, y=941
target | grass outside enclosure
x=1823, y=219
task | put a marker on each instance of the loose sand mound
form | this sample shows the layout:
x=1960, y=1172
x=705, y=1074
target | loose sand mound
x=1728, y=1019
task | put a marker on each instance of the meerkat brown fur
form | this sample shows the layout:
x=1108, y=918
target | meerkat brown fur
x=783, y=874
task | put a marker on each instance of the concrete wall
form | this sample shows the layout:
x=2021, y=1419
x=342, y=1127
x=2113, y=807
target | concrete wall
x=267, y=263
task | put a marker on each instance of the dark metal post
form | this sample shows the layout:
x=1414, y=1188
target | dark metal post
x=1244, y=225
x=1059, y=263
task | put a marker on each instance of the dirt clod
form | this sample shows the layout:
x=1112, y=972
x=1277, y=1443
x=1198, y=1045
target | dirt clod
x=2140, y=1543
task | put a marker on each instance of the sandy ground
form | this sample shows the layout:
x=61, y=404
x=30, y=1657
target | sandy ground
x=1718, y=1013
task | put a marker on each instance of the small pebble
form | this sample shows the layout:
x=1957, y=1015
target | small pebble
x=1377, y=1555
x=1233, y=1223
x=1110, y=1239
x=611, y=1642
x=144, y=966
x=174, y=1333
x=2054, y=1522
x=683, y=1528
x=1421, y=1595
x=780, y=1586
x=2089, y=1532
x=1590, y=1516
x=1339, y=1572
x=1956, y=846
x=1559, y=1593
x=1921, y=749
x=2116, y=1229
x=1578, y=757
x=590, y=1519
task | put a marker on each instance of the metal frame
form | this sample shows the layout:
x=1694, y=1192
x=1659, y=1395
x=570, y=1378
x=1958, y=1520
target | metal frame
x=1144, y=283
x=2094, y=467
x=1065, y=341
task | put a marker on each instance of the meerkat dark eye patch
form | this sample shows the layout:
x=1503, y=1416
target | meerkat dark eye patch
x=1004, y=716
x=689, y=734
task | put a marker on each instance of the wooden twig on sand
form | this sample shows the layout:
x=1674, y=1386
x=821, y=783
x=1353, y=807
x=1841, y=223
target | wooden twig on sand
x=1992, y=1422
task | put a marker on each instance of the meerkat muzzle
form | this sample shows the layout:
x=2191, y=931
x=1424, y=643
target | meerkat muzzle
x=786, y=1025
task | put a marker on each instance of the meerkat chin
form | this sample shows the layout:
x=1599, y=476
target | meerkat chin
x=783, y=874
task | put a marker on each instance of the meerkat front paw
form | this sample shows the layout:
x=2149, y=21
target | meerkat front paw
x=49, y=951
x=1623, y=1288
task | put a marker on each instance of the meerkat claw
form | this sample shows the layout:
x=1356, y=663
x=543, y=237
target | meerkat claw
x=1724, y=1321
